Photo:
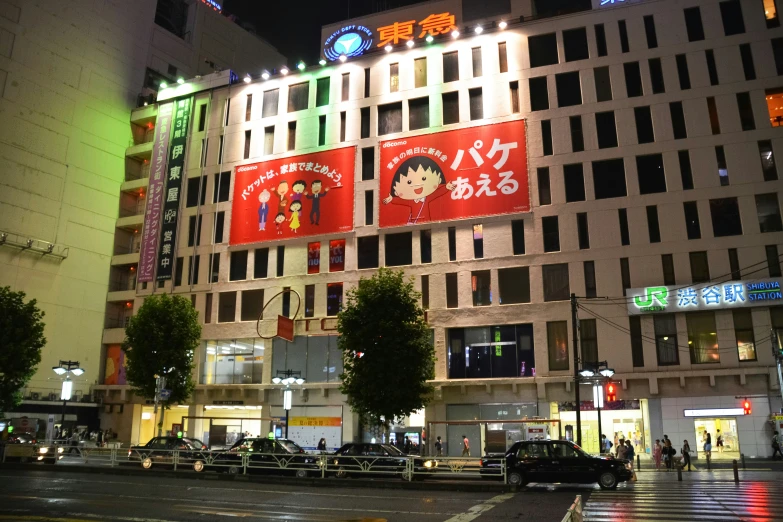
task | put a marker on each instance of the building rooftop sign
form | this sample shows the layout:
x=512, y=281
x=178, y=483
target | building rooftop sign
x=705, y=296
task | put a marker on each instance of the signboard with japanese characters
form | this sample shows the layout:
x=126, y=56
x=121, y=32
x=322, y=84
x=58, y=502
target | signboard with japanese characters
x=173, y=191
x=149, y=238
x=291, y=197
x=464, y=173
x=705, y=296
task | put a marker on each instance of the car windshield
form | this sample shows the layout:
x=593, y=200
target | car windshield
x=290, y=445
x=579, y=450
x=392, y=450
x=195, y=443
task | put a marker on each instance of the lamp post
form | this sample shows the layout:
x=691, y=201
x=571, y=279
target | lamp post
x=67, y=368
x=287, y=378
x=598, y=374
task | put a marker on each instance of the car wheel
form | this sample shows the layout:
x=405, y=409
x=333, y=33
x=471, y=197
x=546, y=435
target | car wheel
x=146, y=463
x=341, y=473
x=198, y=466
x=301, y=473
x=607, y=480
x=516, y=479
x=233, y=470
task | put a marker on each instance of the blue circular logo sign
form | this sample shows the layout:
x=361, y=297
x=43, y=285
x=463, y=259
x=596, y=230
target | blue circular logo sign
x=352, y=40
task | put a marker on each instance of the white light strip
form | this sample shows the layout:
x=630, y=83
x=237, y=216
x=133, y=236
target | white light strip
x=714, y=412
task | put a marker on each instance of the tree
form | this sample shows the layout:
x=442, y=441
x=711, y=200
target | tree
x=160, y=340
x=387, y=348
x=21, y=340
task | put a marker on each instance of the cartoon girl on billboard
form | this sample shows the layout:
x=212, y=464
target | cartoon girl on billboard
x=417, y=182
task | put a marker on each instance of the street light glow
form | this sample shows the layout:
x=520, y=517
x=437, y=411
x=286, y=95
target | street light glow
x=276, y=380
x=586, y=372
x=607, y=372
x=65, y=394
x=265, y=75
x=59, y=370
x=502, y=24
x=77, y=371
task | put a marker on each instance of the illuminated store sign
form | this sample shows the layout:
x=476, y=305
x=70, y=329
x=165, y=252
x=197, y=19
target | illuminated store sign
x=609, y=2
x=714, y=412
x=214, y=5
x=352, y=40
x=731, y=294
x=434, y=24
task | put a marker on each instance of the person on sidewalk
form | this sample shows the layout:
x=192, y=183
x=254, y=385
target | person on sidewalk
x=719, y=441
x=707, y=439
x=438, y=447
x=668, y=453
x=776, y=446
x=657, y=452
x=629, y=451
x=606, y=445
x=621, y=449
x=686, y=455
x=465, y=446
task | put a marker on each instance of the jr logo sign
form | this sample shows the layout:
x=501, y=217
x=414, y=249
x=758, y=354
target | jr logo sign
x=652, y=293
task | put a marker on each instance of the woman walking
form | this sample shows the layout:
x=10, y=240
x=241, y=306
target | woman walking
x=707, y=439
x=657, y=451
x=686, y=455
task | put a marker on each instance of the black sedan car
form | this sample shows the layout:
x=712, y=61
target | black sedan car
x=556, y=461
x=382, y=459
x=264, y=455
x=160, y=450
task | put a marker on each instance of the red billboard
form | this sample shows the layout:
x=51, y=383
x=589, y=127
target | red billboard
x=480, y=171
x=291, y=197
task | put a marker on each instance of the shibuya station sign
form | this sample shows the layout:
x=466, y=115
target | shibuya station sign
x=701, y=297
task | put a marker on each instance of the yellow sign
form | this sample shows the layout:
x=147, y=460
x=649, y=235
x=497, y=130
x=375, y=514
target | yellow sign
x=316, y=421
x=434, y=24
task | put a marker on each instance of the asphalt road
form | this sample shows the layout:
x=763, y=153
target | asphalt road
x=48, y=496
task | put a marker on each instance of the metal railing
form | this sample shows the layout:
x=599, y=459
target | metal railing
x=574, y=513
x=133, y=209
x=140, y=173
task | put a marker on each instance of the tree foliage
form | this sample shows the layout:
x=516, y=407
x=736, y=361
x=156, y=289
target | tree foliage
x=21, y=340
x=387, y=348
x=160, y=340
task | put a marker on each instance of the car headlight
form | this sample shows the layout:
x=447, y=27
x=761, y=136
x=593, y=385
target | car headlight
x=43, y=450
x=60, y=449
x=428, y=464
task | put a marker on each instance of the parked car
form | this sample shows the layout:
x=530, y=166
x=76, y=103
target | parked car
x=281, y=456
x=555, y=461
x=160, y=450
x=353, y=458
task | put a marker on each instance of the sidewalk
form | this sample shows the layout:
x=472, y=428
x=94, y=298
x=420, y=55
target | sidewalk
x=722, y=475
x=757, y=464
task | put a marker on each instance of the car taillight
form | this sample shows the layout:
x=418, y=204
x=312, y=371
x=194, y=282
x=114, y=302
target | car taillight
x=129, y=453
x=203, y=446
x=481, y=462
x=35, y=441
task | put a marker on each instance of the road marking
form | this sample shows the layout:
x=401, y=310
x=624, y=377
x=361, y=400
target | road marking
x=479, y=509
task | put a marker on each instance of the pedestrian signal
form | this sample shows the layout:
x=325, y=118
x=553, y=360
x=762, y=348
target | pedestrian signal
x=611, y=393
x=746, y=407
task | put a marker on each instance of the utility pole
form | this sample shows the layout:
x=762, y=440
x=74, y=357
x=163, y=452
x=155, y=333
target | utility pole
x=160, y=384
x=575, y=342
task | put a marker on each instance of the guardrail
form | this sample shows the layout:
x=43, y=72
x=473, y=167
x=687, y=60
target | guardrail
x=574, y=513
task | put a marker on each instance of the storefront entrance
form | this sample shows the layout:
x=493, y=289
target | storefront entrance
x=621, y=419
x=728, y=433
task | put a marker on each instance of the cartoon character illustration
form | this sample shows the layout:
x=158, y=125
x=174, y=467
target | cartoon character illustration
x=279, y=218
x=282, y=191
x=298, y=188
x=296, y=209
x=417, y=182
x=315, y=212
x=263, y=209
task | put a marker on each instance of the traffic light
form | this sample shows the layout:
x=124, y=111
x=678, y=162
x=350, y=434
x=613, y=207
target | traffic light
x=611, y=392
x=746, y=407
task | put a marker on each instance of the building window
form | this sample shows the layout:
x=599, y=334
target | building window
x=518, y=236
x=194, y=230
x=747, y=62
x=367, y=252
x=364, y=130
x=637, y=345
x=574, y=179
x=656, y=75
x=539, y=96
x=322, y=92
x=269, y=140
x=692, y=226
x=693, y=24
x=652, y=178
x=419, y=113
x=736, y=272
x=309, y=301
x=625, y=273
x=235, y=361
x=314, y=257
x=743, y=331
x=582, y=230
x=569, y=89
x=208, y=309
x=369, y=211
x=666, y=347
x=389, y=118
x=222, y=187
x=298, y=96
x=712, y=109
x=247, y=144
x=491, y=351
x=731, y=13
x=575, y=44
x=551, y=234
x=712, y=69
x=450, y=107
x=291, y=135
x=345, y=91
x=238, y=266
x=767, y=161
x=577, y=140
x=702, y=337
x=625, y=238
x=609, y=179
x=368, y=163
x=513, y=91
x=452, y=233
x=685, y=169
x=342, y=126
x=556, y=283
x=682, y=72
x=227, y=307
x=478, y=241
x=367, y=82
x=723, y=170
x=588, y=340
x=394, y=77
x=476, y=60
x=399, y=249
x=514, y=285
x=202, y=117
x=322, y=130
x=196, y=187
x=214, y=267
x=260, y=263
x=589, y=272
x=745, y=111
x=603, y=84
x=600, y=39
x=502, y=57
x=179, y=267
x=476, y=99
x=546, y=137
x=667, y=262
x=280, y=260
x=271, y=102
x=337, y=255
x=334, y=299
x=649, y=31
x=420, y=72
x=725, y=217
x=480, y=284
x=425, y=292
x=452, y=300
x=450, y=67
x=542, y=49
x=678, y=120
x=653, y=229
x=700, y=268
x=544, y=193
x=644, y=125
x=768, y=211
x=252, y=304
x=633, y=79
x=606, y=129
x=773, y=260
x=317, y=357
x=425, y=245
x=557, y=345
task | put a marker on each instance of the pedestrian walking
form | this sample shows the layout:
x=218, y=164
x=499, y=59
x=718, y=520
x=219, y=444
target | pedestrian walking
x=657, y=452
x=438, y=447
x=686, y=455
x=606, y=444
x=465, y=446
x=74, y=443
x=407, y=445
x=629, y=451
x=621, y=449
x=719, y=441
x=776, y=446
x=668, y=453
x=707, y=439
x=99, y=438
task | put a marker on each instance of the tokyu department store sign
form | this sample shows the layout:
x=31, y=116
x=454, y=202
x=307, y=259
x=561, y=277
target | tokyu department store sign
x=700, y=297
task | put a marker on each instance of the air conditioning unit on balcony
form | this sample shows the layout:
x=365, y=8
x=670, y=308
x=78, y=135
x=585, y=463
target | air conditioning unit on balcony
x=35, y=396
x=53, y=396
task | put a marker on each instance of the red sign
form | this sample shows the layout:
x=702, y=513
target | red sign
x=292, y=197
x=337, y=255
x=480, y=171
x=314, y=257
x=285, y=328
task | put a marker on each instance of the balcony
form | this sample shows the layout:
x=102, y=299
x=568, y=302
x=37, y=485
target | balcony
x=113, y=336
x=141, y=151
x=132, y=206
x=127, y=258
x=144, y=115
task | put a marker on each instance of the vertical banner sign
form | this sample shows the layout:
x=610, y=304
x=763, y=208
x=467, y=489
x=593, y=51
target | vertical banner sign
x=337, y=255
x=173, y=192
x=149, y=239
x=314, y=257
x=459, y=174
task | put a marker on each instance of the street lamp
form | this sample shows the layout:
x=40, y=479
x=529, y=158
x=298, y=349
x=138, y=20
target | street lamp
x=598, y=374
x=287, y=378
x=67, y=368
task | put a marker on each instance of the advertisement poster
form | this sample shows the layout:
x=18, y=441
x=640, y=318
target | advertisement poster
x=337, y=255
x=292, y=197
x=314, y=257
x=115, y=366
x=480, y=171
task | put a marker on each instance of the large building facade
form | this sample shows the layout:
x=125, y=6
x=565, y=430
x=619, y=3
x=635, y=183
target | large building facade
x=624, y=154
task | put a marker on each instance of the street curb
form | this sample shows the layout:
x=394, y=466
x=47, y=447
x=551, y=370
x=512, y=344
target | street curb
x=277, y=480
